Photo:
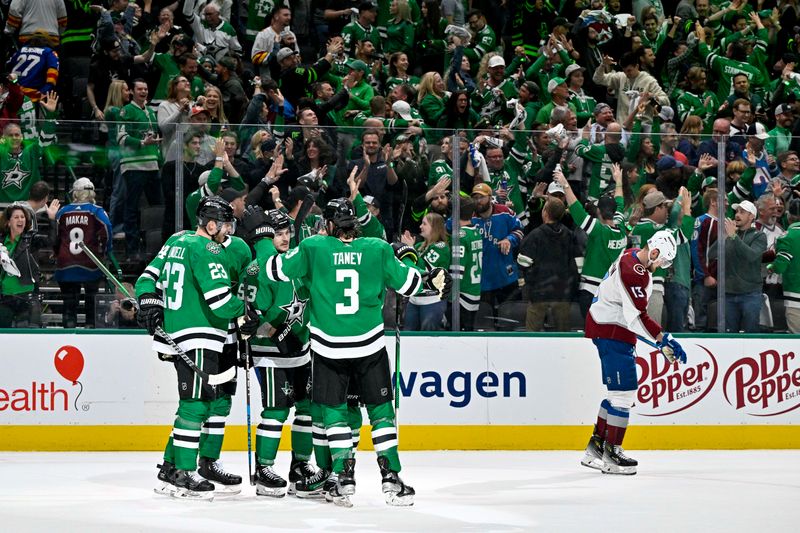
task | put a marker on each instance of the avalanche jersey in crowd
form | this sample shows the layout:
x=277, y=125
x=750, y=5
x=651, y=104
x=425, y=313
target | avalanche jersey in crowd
x=619, y=311
x=78, y=223
x=36, y=69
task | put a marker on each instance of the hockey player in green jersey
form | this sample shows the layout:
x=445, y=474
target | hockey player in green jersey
x=348, y=277
x=186, y=291
x=281, y=358
x=468, y=269
x=237, y=257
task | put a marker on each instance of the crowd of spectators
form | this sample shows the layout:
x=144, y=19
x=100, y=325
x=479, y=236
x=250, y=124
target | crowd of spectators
x=581, y=127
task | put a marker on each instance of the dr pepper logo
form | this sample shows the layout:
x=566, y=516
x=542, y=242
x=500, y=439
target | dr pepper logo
x=666, y=389
x=764, y=385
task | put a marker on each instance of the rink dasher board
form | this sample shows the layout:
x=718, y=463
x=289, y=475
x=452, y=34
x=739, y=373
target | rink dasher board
x=80, y=390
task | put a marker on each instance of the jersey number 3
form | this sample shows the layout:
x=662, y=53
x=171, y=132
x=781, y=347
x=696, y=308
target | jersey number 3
x=350, y=277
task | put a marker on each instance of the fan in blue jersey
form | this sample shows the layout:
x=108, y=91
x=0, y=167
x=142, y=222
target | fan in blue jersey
x=36, y=67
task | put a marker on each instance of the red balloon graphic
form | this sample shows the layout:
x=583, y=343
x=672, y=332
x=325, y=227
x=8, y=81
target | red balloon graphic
x=69, y=363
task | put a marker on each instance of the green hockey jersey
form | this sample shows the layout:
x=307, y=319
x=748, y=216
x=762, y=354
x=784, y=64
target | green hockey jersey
x=191, y=274
x=603, y=247
x=280, y=303
x=470, y=258
x=348, y=284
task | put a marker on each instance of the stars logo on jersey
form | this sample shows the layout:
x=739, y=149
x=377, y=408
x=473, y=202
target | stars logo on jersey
x=288, y=389
x=253, y=269
x=294, y=309
x=214, y=248
x=15, y=176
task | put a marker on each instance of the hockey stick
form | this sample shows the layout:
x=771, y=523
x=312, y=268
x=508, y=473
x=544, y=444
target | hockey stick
x=211, y=379
x=397, y=310
x=305, y=209
x=648, y=342
x=250, y=473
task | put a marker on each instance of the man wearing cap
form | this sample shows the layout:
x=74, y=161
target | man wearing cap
x=502, y=234
x=654, y=218
x=584, y=103
x=265, y=40
x=490, y=102
x=234, y=99
x=362, y=28
x=787, y=264
x=628, y=84
x=781, y=135
x=559, y=97
x=215, y=34
x=485, y=40
x=756, y=139
x=357, y=84
x=80, y=221
x=296, y=80
x=744, y=246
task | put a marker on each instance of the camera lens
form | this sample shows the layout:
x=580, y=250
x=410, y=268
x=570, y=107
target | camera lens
x=127, y=305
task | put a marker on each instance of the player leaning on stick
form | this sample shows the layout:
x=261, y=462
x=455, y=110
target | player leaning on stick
x=617, y=315
x=282, y=359
x=186, y=290
x=348, y=276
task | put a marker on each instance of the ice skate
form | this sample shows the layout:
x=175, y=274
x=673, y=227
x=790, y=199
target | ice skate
x=593, y=458
x=225, y=483
x=333, y=492
x=190, y=486
x=298, y=471
x=312, y=486
x=616, y=462
x=268, y=483
x=165, y=485
x=347, y=479
x=395, y=492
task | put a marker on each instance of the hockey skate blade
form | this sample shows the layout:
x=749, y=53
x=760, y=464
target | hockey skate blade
x=226, y=491
x=590, y=461
x=339, y=501
x=270, y=492
x=310, y=495
x=394, y=499
x=191, y=495
x=165, y=489
x=619, y=470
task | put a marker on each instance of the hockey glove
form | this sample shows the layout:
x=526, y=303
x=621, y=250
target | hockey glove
x=403, y=251
x=248, y=323
x=151, y=312
x=438, y=280
x=286, y=341
x=256, y=224
x=671, y=349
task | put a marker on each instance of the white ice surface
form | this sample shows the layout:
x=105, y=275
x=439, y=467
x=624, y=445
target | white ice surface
x=675, y=491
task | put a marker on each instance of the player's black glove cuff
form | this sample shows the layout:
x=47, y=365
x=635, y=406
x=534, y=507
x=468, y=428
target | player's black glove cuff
x=248, y=324
x=256, y=224
x=438, y=280
x=402, y=251
x=151, y=312
x=286, y=341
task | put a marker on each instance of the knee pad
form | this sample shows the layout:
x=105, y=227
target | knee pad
x=221, y=406
x=622, y=399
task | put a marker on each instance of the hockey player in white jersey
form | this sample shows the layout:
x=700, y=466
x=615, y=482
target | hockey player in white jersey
x=618, y=315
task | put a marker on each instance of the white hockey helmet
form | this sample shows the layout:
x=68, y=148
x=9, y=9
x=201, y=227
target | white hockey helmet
x=664, y=242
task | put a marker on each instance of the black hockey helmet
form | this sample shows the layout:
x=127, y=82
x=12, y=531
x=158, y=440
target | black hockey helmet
x=214, y=208
x=341, y=212
x=278, y=220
